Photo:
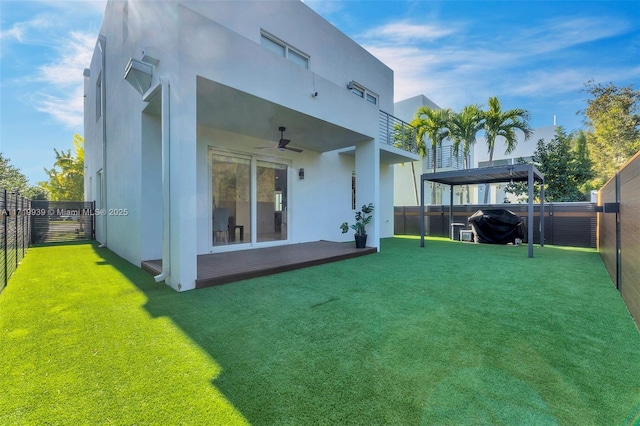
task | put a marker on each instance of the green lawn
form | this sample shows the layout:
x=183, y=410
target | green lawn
x=453, y=333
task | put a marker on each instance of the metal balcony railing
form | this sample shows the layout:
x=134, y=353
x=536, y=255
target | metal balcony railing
x=397, y=133
x=445, y=158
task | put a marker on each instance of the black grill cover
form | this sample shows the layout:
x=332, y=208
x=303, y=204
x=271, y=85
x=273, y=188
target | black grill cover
x=497, y=226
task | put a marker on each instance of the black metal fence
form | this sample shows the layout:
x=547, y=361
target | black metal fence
x=14, y=233
x=62, y=221
x=565, y=224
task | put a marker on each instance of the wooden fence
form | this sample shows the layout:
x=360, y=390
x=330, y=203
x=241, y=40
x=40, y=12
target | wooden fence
x=565, y=224
x=619, y=232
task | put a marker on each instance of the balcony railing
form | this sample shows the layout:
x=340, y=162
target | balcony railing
x=397, y=133
x=445, y=158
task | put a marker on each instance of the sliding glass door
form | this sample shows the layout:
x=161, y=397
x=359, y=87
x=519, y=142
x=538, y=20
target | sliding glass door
x=271, y=201
x=230, y=199
x=247, y=192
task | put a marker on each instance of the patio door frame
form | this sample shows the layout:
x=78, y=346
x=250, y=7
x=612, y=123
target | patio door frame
x=253, y=195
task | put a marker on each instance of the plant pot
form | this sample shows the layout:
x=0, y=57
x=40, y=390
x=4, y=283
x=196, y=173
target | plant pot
x=361, y=241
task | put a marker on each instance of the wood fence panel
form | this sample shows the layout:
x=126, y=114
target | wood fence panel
x=630, y=236
x=607, y=230
x=566, y=224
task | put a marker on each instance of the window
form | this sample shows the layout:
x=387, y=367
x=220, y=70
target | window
x=282, y=49
x=362, y=92
x=99, y=97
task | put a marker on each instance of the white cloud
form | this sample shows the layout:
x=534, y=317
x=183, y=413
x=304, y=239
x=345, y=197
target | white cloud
x=67, y=109
x=407, y=32
x=27, y=32
x=74, y=55
x=62, y=95
x=457, y=66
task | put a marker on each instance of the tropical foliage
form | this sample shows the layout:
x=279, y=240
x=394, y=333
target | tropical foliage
x=565, y=165
x=463, y=129
x=12, y=179
x=612, y=118
x=504, y=123
x=434, y=124
x=66, y=177
x=363, y=218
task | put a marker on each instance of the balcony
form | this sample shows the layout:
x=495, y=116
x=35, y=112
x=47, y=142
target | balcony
x=395, y=132
x=445, y=158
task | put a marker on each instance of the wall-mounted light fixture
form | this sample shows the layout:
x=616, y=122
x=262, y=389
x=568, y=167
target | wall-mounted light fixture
x=301, y=174
x=139, y=73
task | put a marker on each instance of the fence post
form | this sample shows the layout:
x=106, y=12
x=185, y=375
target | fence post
x=4, y=239
x=618, y=243
x=17, y=256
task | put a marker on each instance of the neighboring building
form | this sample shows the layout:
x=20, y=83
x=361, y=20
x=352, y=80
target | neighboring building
x=407, y=175
x=195, y=140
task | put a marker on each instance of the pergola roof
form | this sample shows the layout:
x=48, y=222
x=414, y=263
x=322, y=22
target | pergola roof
x=514, y=172
x=509, y=173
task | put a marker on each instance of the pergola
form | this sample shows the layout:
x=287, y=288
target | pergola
x=511, y=173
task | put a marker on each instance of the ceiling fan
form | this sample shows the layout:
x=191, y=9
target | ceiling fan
x=282, y=143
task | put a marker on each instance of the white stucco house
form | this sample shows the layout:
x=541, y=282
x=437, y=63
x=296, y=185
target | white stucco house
x=188, y=109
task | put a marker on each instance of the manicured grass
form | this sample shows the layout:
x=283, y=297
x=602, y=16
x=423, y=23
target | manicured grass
x=450, y=334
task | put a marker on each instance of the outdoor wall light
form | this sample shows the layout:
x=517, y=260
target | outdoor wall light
x=139, y=74
x=301, y=174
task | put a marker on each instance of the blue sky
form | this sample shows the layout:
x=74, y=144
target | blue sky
x=531, y=54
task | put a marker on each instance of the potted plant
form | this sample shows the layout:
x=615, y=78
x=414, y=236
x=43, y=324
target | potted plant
x=363, y=218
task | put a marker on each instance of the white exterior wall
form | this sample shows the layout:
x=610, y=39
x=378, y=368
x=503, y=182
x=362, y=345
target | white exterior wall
x=210, y=53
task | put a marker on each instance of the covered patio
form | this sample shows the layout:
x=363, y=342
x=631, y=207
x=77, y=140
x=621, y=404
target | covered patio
x=222, y=268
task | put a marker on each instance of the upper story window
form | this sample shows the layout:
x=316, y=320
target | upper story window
x=283, y=49
x=362, y=92
x=99, y=97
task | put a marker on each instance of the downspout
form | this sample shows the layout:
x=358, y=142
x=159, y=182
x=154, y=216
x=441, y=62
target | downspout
x=166, y=189
x=102, y=42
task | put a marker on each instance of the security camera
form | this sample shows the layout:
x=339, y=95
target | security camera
x=314, y=94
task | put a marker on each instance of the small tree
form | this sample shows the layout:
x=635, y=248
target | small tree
x=613, y=118
x=12, y=179
x=565, y=170
x=463, y=128
x=66, y=178
x=434, y=124
x=503, y=123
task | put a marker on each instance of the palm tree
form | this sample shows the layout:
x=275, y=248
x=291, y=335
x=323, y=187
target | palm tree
x=463, y=128
x=503, y=123
x=434, y=123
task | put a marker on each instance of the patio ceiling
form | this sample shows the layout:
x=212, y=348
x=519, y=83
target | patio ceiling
x=223, y=107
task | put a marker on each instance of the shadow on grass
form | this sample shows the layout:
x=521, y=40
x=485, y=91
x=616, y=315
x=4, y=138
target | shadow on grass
x=453, y=332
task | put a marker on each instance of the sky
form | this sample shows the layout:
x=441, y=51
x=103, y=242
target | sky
x=535, y=55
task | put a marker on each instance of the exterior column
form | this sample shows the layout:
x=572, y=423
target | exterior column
x=183, y=184
x=368, y=186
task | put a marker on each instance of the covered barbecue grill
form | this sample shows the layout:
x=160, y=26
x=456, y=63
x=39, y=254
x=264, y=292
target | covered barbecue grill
x=497, y=226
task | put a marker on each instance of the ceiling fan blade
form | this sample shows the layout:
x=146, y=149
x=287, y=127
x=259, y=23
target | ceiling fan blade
x=293, y=149
x=283, y=143
x=262, y=147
